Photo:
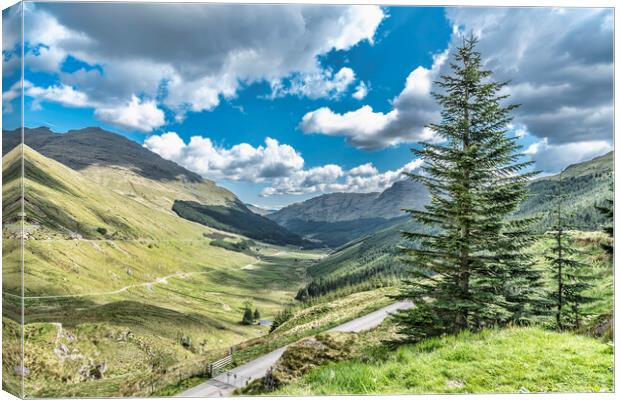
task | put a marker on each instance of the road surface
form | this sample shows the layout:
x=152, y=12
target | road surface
x=226, y=383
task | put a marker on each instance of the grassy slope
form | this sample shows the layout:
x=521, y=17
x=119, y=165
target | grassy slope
x=236, y=218
x=156, y=193
x=508, y=360
x=584, y=185
x=202, y=299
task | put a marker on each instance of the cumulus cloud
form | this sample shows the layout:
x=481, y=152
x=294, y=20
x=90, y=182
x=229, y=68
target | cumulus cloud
x=364, y=128
x=555, y=157
x=62, y=94
x=137, y=114
x=190, y=56
x=11, y=37
x=278, y=165
x=241, y=162
x=331, y=178
x=560, y=66
x=9, y=95
x=360, y=91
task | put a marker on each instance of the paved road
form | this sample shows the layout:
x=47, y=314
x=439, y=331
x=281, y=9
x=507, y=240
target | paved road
x=224, y=384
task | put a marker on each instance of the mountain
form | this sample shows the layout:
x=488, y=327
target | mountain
x=260, y=210
x=132, y=171
x=337, y=218
x=238, y=219
x=584, y=185
x=80, y=149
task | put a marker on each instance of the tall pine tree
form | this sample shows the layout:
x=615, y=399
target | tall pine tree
x=571, y=277
x=471, y=271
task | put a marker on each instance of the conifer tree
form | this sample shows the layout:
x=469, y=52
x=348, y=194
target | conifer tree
x=248, y=317
x=607, y=209
x=471, y=270
x=571, y=277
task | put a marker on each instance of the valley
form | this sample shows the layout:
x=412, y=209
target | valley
x=137, y=272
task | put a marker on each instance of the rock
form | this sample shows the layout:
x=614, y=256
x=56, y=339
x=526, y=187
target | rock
x=63, y=348
x=455, y=384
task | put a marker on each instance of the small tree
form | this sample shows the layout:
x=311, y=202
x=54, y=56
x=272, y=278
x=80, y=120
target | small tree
x=570, y=276
x=248, y=316
x=256, y=315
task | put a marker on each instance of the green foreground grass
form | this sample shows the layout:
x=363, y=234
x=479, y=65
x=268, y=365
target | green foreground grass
x=492, y=361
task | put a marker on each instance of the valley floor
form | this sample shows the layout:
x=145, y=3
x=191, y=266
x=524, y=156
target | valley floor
x=139, y=326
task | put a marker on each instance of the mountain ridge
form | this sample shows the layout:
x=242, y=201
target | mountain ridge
x=337, y=218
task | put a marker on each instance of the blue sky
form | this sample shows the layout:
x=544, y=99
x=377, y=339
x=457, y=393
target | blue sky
x=283, y=103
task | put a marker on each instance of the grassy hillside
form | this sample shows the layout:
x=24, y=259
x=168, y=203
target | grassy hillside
x=129, y=169
x=237, y=218
x=493, y=361
x=584, y=185
x=114, y=280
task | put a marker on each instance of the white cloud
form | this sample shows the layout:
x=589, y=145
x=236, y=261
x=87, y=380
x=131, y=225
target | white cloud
x=324, y=84
x=560, y=66
x=364, y=178
x=14, y=92
x=241, y=162
x=360, y=91
x=278, y=165
x=137, y=114
x=364, y=170
x=364, y=128
x=223, y=48
x=356, y=125
x=560, y=70
x=552, y=158
x=62, y=94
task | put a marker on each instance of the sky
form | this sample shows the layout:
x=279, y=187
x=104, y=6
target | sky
x=281, y=103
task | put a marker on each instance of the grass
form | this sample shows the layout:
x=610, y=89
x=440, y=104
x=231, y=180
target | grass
x=206, y=308
x=492, y=361
x=148, y=272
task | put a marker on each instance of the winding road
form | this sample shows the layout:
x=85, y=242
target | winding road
x=226, y=383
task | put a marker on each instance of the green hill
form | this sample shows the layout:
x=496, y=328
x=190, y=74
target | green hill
x=492, y=361
x=124, y=281
x=239, y=219
x=132, y=171
x=584, y=185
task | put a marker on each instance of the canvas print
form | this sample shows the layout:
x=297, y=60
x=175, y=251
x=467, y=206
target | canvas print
x=213, y=200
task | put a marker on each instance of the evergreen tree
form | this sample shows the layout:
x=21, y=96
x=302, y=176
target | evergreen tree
x=607, y=209
x=471, y=271
x=256, y=315
x=248, y=317
x=571, y=277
